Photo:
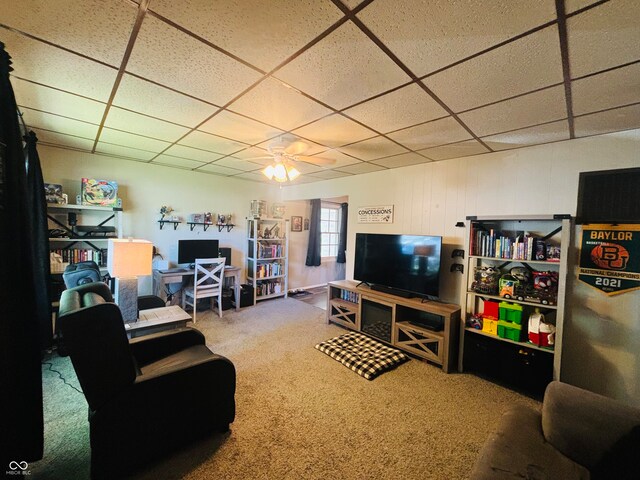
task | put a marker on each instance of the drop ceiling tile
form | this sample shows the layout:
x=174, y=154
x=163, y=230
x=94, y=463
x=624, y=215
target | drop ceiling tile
x=373, y=148
x=173, y=58
x=343, y=68
x=402, y=108
x=260, y=33
x=340, y=158
x=455, y=150
x=67, y=141
x=571, y=6
x=352, y=3
x=54, y=101
x=360, y=168
x=254, y=176
x=211, y=143
x=218, y=169
x=237, y=164
x=142, y=125
x=403, y=160
x=431, y=134
x=312, y=148
x=607, y=90
x=539, y=107
x=551, y=132
x=603, y=37
x=251, y=153
x=37, y=61
x=329, y=174
x=237, y=127
x=58, y=124
x=614, y=120
x=334, y=131
x=124, y=152
x=274, y=104
x=150, y=99
x=176, y=162
x=131, y=140
x=100, y=29
x=304, y=167
x=430, y=35
x=192, y=153
x=524, y=65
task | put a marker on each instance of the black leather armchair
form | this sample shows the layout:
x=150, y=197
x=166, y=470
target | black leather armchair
x=146, y=396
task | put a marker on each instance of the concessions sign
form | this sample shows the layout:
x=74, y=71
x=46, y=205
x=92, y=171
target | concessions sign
x=377, y=214
x=610, y=257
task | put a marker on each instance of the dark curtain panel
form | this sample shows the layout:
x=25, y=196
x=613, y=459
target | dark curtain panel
x=342, y=243
x=21, y=422
x=37, y=205
x=313, y=250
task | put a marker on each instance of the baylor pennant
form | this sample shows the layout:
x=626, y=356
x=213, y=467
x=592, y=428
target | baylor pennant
x=610, y=257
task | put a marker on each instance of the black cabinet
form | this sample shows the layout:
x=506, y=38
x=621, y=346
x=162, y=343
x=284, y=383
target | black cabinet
x=517, y=366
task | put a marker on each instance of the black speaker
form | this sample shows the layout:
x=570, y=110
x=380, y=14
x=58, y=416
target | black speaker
x=81, y=273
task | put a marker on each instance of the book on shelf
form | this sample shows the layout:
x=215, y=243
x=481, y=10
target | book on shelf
x=510, y=245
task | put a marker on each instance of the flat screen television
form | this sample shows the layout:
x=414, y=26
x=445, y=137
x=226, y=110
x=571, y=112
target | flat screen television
x=404, y=265
x=189, y=250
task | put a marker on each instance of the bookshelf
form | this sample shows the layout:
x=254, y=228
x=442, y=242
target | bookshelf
x=519, y=263
x=267, y=257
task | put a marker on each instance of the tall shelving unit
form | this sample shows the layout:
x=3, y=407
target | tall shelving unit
x=517, y=363
x=58, y=217
x=268, y=257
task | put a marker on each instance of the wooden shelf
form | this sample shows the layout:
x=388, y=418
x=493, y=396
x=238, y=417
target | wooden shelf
x=514, y=260
x=513, y=300
x=174, y=222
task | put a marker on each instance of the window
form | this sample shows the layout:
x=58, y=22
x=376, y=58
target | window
x=329, y=231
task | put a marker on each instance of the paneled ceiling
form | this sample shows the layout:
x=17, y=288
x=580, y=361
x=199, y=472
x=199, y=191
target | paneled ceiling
x=376, y=84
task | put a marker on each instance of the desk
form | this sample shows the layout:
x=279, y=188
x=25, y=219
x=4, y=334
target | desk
x=161, y=279
x=157, y=319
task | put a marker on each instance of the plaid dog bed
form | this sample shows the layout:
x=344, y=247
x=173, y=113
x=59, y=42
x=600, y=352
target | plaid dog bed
x=362, y=354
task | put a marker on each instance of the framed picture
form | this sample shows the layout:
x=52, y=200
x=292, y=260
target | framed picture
x=296, y=224
x=53, y=193
x=306, y=224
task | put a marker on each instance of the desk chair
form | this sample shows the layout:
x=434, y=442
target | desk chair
x=207, y=283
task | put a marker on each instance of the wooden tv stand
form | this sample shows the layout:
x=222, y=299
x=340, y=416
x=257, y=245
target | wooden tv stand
x=402, y=317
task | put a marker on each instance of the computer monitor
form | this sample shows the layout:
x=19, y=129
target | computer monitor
x=189, y=250
x=226, y=253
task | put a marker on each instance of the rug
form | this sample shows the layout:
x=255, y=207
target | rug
x=362, y=354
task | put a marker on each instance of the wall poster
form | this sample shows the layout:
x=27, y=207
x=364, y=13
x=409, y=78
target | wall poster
x=610, y=258
x=376, y=214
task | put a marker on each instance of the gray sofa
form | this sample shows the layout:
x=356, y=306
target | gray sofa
x=578, y=435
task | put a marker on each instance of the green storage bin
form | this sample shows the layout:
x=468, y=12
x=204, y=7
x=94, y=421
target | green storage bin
x=509, y=330
x=510, y=312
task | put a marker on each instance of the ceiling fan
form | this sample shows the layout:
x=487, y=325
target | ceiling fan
x=285, y=156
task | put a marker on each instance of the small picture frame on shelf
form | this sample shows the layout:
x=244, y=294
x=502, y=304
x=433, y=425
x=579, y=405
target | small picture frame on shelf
x=296, y=224
x=53, y=193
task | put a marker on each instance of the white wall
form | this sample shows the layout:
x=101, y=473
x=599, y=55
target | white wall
x=301, y=276
x=145, y=188
x=602, y=334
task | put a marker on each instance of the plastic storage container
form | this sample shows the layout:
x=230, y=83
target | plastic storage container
x=490, y=326
x=511, y=312
x=490, y=310
x=509, y=330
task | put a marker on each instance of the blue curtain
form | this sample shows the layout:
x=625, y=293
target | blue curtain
x=313, y=250
x=21, y=420
x=342, y=242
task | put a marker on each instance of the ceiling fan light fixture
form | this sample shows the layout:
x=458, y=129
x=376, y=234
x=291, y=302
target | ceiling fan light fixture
x=268, y=172
x=280, y=173
x=292, y=173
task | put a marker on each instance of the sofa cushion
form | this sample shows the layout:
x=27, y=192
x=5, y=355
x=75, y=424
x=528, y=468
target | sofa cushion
x=584, y=425
x=518, y=450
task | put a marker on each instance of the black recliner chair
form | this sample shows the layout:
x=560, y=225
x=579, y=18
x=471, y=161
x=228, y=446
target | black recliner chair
x=146, y=396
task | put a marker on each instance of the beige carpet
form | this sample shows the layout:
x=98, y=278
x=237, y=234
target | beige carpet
x=302, y=415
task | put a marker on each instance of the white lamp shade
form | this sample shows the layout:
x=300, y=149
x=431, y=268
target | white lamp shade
x=129, y=257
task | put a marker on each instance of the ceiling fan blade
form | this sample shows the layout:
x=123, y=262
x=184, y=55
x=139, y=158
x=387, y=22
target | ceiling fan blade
x=315, y=160
x=296, y=148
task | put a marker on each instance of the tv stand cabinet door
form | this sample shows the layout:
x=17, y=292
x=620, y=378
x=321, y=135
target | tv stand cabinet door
x=425, y=344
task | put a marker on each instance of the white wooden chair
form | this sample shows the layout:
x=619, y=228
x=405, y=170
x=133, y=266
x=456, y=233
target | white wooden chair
x=207, y=283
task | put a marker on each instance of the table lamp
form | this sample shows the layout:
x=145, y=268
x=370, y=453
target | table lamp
x=126, y=260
